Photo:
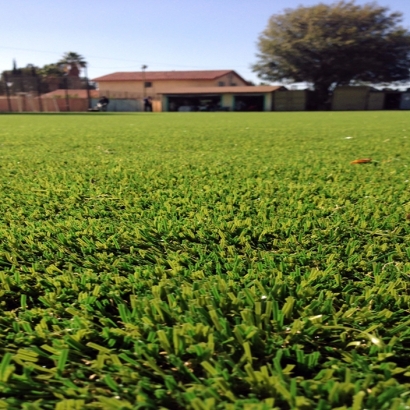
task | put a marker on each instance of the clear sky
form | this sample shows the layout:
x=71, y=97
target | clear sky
x=121, y=35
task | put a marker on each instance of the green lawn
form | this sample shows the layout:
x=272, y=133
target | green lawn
x=205, y=261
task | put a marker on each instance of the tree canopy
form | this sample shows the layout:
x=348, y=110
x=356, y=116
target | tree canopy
x=334, y=44
x=50, y=70
x=34, y=78
x=71, y=58
x=57, y=69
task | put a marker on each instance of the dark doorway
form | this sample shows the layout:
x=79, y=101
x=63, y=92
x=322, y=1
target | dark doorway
x=194, y=103
x=392, y=101
x=249, y=102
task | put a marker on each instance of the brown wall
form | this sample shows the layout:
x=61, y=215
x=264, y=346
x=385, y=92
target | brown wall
x=4, y=104
x=375, y=101
x=75, y=104
x=293, y=100
x=350, y=98
x=18, y=104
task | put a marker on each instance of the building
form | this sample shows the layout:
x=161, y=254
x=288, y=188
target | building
x=155, y=83
x=233, y=98
x=405, y=101
x=205, y=90
x=357, y=98
x=290, y=100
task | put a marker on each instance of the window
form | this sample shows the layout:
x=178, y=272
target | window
x=233, y=84
x=221, y=83
x=148, y=84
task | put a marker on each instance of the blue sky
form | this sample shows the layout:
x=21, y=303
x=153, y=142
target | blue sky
x=122, y=35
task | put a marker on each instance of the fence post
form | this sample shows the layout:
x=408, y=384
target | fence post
x=67, y=101
x=40, y=102
x=23, y=95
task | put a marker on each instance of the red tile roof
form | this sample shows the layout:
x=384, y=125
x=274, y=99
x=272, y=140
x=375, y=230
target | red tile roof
x=72, y=94
x=165, y=75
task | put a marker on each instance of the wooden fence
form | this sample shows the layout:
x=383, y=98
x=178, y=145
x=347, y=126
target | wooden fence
x=36, y=104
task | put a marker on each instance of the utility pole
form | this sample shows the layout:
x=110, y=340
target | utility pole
x=88, y=86
x=143, y=68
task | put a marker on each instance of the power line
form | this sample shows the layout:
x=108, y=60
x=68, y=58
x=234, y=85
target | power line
x=113, y=59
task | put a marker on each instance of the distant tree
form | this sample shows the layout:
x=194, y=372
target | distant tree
x=51, y=70
x=46, y=78
x=28, y=70
x=70, y=59
x=337, y=44
x=21, y=79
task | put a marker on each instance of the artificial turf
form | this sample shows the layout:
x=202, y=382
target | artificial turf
x=205, y=261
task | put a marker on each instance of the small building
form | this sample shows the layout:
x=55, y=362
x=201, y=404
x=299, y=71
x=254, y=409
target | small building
x=244, y=98
x=405, y=101
x=376, y=100
x=393, y=99
x=155, y=83
x=350, y=98
x=290, y=100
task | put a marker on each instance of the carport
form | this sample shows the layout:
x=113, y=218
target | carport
x=189, y=102
x=248, y=98
x=405, y=101
x=357, y=98
x=249, y=102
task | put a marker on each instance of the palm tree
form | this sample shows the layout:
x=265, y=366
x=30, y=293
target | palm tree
x=70, y=58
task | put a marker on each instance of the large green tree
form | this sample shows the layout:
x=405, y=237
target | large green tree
x=334, y=44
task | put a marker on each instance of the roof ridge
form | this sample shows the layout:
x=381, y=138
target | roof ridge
x=166, y=75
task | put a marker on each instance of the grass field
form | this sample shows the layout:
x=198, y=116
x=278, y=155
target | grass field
x=205, y=261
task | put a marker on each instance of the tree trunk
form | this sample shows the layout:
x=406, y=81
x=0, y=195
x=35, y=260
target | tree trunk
x=322, y=97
